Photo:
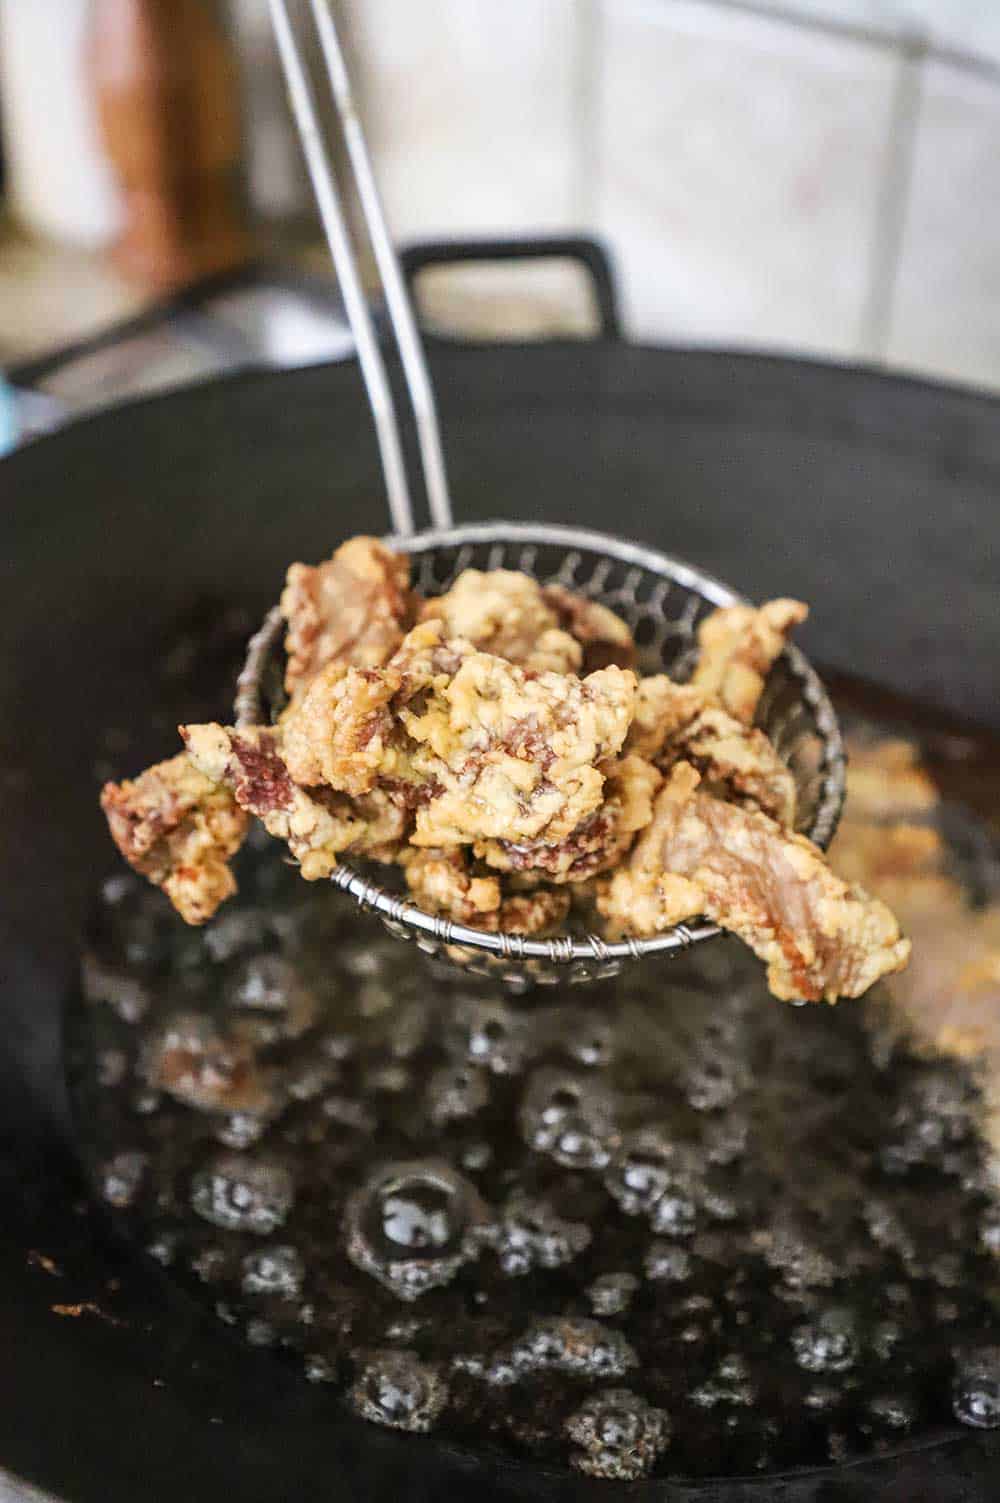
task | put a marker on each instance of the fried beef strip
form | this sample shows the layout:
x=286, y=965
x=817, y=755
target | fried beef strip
x=885, y=781
x=514, y=755
x=505, y=613
x=739, y=644
x=441, y=882
x=352, y=609
x=179, y=829
x=598, y=842
x=680, y=721
x=319, y=825
x=481, y=748
x=820, y=937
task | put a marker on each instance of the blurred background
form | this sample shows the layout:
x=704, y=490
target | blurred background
x=814, y=176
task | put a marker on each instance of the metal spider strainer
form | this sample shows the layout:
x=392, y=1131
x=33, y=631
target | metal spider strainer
x=661, y=598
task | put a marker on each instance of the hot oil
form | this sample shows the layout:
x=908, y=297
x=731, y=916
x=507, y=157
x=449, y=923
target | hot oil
x=664, y=1224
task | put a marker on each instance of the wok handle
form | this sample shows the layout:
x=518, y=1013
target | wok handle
x=586, y=252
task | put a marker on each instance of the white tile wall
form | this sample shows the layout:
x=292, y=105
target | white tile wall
x=946, y=308
x=736, y=161
x=739, y=173
x=968, y=26
x=470, y=107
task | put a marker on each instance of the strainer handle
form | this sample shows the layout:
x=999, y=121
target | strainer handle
x=404, y=326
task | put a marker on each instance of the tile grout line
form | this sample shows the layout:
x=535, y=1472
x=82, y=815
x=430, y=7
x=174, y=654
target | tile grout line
x=893, y=201
x=585, y=112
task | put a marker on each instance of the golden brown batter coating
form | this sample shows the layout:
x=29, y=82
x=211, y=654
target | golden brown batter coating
x=441, y=882
x=515, y=755
x=319, y=825
x=819, y=937
x=353, y=609
x=504, y=613
x=179, y=829
x=535, y=913
x=469, y=745
x=739, y=644
x=948, y=999
x=675, y=721
x=340, y=728
x=599, y=842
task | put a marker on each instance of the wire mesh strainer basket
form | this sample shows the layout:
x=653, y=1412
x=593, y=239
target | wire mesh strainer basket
x=663, y=600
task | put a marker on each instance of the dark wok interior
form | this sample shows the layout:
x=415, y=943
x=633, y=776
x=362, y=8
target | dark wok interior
x=872, y=497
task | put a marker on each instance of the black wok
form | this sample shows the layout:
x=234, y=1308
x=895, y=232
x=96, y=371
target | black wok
x=873, y=497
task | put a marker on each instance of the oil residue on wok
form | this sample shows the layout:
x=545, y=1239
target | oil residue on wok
x=659, y=1225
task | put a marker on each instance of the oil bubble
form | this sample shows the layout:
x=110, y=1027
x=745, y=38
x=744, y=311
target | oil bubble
x=273, y=1270
x=582, y=1347
x=394, y=1388
x=619, y=1435
x=612, y=1293
x=412, y=1226
x=975, y=1397
x=243, y=1195
x=529, y=1233
x=569, y=1117
x=122, y=1177
x=827, y=1344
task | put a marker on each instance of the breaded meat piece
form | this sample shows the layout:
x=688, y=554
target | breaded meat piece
x=514, y=755
x=442, y=882
x=180, y=829
x=599, y=842
x=504, y=612
x=820, y=937
x=676, y=722
x=739, y=644
x=886, y=781
x=355, y=608
x=340, y=729
x=318, y=824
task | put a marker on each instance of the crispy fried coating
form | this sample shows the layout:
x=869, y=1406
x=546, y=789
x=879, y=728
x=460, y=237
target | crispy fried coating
x=599, y=842
x=487, y=750
x=318, y=824
x=505, y=613
x=340, y=729
x=820, y=937
x=739, y=643
x=515, y=755
x=948, y=999
x=441, y=882
x=679, y=721
x=179, y=829
x=535, y=913
x=353, y=609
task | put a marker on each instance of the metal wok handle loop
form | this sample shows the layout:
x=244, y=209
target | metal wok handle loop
x=583, y=250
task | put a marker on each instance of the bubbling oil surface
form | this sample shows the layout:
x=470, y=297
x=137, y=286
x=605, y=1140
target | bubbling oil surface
x=665, y=1224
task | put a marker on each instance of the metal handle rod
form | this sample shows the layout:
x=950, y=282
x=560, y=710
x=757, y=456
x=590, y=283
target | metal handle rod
x=396, y=294
x=344, y=260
